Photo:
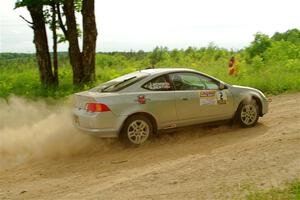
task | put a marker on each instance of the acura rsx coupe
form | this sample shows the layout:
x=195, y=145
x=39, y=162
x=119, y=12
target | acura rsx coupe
x=137, y=105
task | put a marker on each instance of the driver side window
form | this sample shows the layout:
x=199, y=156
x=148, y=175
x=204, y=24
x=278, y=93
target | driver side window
x=193, y=81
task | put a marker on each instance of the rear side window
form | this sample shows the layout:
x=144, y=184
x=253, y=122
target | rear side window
x=120, y=83
x=123, y=84
x=160, y=83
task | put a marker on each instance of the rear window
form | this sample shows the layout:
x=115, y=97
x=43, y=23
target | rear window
x=120, y=83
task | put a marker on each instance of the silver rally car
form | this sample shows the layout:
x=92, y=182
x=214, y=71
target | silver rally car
x=137, y=105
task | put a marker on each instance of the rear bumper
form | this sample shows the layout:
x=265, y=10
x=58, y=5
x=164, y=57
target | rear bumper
x=103, y=133
x=104, y=124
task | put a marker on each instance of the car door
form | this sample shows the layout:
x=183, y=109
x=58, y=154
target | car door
x=160, y=101
x=199, y=99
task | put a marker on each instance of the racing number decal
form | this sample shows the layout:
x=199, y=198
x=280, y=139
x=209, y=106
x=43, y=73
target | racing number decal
x=212, y=97
x=222, y=97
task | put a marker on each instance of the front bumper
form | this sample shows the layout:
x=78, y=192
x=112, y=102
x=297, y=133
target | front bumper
x=265, y=106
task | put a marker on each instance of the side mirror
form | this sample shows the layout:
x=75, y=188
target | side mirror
x=221, y=86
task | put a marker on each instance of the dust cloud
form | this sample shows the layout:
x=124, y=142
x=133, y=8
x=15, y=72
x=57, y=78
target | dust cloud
x=43, y=129
x=34, y=130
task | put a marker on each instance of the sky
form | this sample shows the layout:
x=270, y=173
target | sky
x=132, y=25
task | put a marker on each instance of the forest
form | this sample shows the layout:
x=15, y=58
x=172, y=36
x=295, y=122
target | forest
x=268, y=63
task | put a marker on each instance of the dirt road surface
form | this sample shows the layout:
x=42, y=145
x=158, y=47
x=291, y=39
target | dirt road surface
x=216, y=162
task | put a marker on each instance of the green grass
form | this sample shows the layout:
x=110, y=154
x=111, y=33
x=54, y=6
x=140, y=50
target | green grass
x=290, y=191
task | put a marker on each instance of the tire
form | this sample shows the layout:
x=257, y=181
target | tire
x=136, y=130
x=248, y=113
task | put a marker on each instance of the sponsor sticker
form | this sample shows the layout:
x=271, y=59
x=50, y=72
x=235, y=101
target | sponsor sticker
x=207, y=93
x=208, y=97
x=208, y=101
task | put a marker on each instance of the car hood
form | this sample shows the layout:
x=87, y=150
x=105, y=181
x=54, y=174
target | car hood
x=244, y=88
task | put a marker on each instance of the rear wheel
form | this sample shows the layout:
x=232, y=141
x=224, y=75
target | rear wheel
x=137, y=130
x=248, y=113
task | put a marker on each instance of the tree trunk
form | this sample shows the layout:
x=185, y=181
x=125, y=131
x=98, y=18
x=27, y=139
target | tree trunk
x=74, y=50
x=55, y=60
x=41, y=45
x=60, y=21
x=89, y=40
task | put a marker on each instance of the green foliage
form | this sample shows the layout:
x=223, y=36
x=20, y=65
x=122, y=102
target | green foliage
x=159, y=54
x=282, y=51
x=257, y=62
x=292, y=35
x=260, y=44
x=7, y=56
x=274, y=70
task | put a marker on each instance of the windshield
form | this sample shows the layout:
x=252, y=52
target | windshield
x=120, y=83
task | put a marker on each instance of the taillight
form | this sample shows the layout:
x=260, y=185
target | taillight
x=96, y=107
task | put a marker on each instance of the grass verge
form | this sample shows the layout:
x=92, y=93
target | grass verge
x=290, y=191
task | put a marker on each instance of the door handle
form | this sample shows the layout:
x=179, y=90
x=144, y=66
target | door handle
x=184, y=98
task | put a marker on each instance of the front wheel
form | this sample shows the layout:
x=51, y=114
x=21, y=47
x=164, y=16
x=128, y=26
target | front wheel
x=248, y=113
x=136, y=130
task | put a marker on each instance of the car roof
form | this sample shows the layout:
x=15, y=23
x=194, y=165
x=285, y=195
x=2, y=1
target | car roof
x=166, y=70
